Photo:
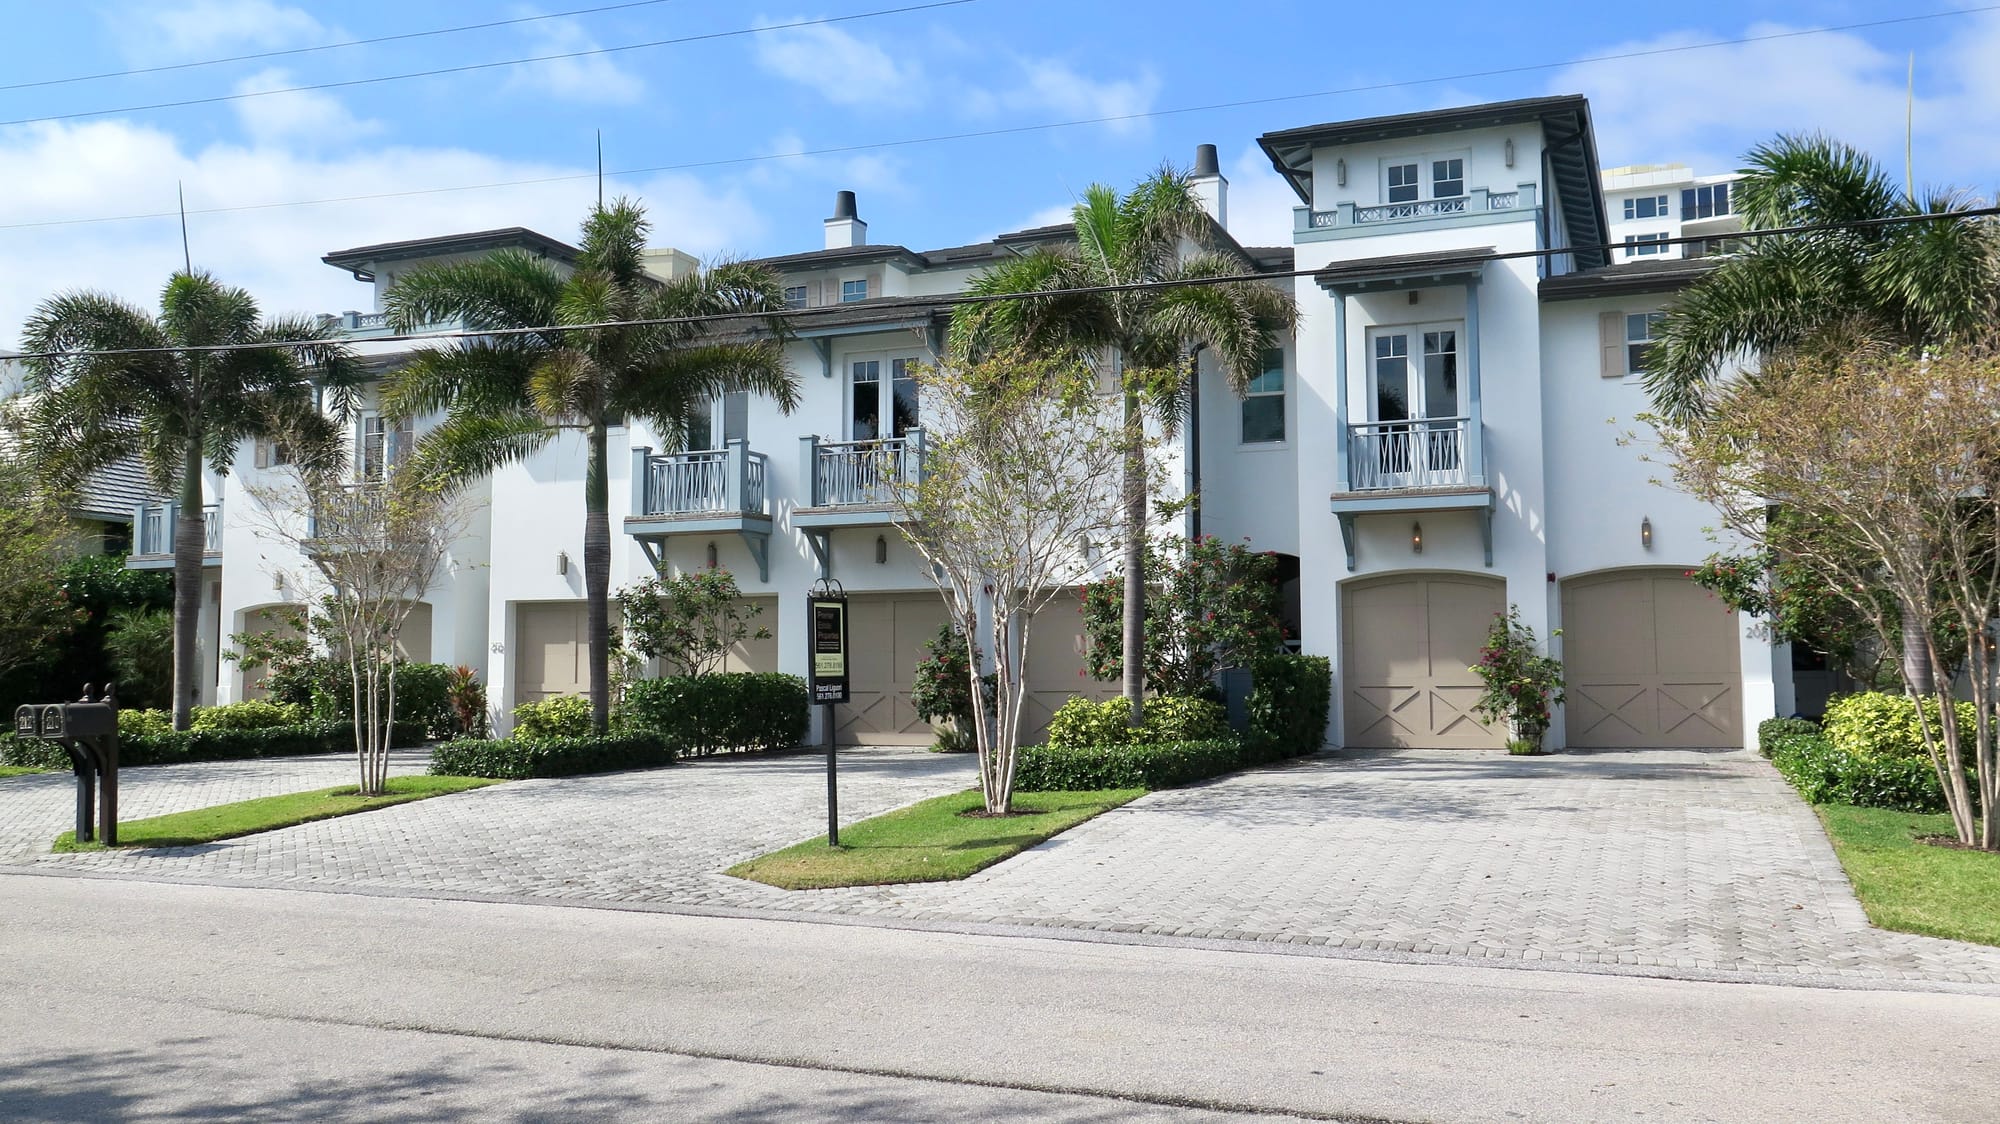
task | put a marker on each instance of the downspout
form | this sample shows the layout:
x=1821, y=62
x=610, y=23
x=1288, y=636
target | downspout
x=1191, y=520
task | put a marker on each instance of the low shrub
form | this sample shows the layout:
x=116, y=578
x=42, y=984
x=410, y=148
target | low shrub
x=1824, y=773
x=1082, y=722
x=250, y=714
x=424, y=696
x=1051, y=768
x=522, y=758
x=138, y=723
x=1879, y=724
x=706, y=714
x=1290, y=699
x=31, y=753
x=565, y=716
x=1170, y=719
x=1771, y=729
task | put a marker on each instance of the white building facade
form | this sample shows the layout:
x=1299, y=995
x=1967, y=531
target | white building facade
x=1438, y=440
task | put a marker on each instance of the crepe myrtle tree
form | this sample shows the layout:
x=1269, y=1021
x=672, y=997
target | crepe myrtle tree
x=1894, y=460
x=178, y=390
x=1019, y=480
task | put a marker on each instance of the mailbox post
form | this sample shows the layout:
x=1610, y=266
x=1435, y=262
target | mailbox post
x=88, y=732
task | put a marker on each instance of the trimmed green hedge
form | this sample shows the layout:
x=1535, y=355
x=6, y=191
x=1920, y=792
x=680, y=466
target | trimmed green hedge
x=522, y=758
x=1048, y=768
x=706, y=714
x=1290, y=699
x=1081, y=723
x=1877, y=723
x=176, y=747
x=1771, y=729
x=561, y=716
x=1824, y=773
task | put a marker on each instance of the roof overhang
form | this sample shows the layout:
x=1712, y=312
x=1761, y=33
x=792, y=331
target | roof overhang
x=358, y=259
x=1629, y=279
x=1405, y=271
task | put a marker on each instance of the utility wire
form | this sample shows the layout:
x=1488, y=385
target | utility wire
x=953, y=300
x=1010, y=130
x=290, y=51
x=469, y=67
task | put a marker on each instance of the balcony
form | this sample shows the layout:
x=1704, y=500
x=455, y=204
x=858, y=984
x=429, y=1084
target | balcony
x=153, y=536
x=854, y=483
x=1410, y=466
x=1477, y=207
x=705, y=492
x=371, y=325
x=349, y=516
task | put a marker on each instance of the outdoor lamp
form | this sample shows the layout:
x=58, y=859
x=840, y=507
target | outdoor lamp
x=562, y=563
x=1416, y=538
x=1508, y=149
x=1646, y=532
x=1340, y=172
x=711, y=556
x=881, y=551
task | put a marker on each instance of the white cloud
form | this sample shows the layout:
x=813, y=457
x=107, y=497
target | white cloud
x=865, y=171
x=837, y=66
x=1706, y=107
x=121, y=168
x=205, y=26
x=1260, y=201
x=1053, y=88
x=594, y=79
x=312, y=118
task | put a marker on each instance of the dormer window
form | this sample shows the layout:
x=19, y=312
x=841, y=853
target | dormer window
x=851, y=291
x=1424, y=177
x=1448, y=178
x=1403, y=183
x=795, y=296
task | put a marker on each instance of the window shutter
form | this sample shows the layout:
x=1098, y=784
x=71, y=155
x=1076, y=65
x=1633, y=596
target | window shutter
x=735, y=416
x=263, y=453
x=812, y=294
x=874, y=282
x=1611, y=345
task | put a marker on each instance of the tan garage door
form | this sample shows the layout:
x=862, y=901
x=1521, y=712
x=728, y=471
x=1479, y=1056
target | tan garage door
x=551, y=650
x=276, y=618
x=1407, y=648
x=1651, y=661
x=886, y=638
x=753, y=654
x=413, y=643
x=1056, y=667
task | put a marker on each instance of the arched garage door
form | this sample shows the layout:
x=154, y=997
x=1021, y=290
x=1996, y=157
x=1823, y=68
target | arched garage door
x=1651, y=661
x=1407, y=647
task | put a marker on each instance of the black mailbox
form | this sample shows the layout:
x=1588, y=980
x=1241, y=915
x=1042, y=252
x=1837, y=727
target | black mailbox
x=88, y=732
x=86, y=720
x=28, y=721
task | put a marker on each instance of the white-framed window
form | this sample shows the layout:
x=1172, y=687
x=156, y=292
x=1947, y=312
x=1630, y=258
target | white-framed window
x=1642, y=331
x=851, y=291
x=883, y=396
x=1264, y=401
x=1640, y=245
x=1413, y=372
x=727, y=416
x=1646, y=207
x=1704, y=202
x=795, y=296
x=1626, y=341
x=1402, y=184
x=384, y=446
x=1448, y=177
x=272, y=453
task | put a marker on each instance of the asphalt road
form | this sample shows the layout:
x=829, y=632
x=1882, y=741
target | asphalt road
x=136, y=1001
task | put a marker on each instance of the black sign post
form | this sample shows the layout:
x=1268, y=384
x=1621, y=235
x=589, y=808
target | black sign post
x=88, y=731
x=826, y=617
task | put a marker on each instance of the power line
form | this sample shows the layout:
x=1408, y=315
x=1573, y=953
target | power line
x=289, y=51
x=469, y=67
x=954, y=300
x=1011, y=130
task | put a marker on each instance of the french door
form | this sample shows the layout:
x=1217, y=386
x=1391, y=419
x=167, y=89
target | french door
x=1415, y=435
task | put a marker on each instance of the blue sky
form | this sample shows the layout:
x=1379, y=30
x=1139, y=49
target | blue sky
x=967, y=67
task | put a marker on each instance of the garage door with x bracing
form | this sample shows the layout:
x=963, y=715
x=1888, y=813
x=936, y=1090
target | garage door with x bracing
x=1408, y=644
x=1651, y=661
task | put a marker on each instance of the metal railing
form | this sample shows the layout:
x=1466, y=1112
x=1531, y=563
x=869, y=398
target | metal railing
x=1478, y=200
x=153, y=528
x=708, y=481
x=1420, y=453
x=863, y=473
x=352, y=515
x=361, y=325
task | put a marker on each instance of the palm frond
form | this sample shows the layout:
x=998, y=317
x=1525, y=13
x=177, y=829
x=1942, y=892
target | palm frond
x=468, y=446
x=475, y=375
x=507, y=289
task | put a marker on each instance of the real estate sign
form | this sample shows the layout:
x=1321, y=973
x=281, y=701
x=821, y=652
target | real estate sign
x=828, y=615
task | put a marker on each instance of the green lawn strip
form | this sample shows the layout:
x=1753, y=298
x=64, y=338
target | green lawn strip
x=1916, y=887
x=20, y=770
x=929, y=841
x=247, y=817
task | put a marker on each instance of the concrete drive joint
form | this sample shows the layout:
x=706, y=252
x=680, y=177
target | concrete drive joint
x=1663, y=862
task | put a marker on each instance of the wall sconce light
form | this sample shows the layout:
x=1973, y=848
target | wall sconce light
x=1415, y=296
x=1508, y=150
x=881, y=551
x=711, y=556
x=1416, y=538
x=278, y=581
x=1646, y=532
x=562, y=563
x=1340, y=171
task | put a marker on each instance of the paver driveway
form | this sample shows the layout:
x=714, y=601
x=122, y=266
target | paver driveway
x=1673, y=862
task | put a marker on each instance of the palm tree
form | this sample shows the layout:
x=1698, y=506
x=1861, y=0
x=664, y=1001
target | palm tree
x=606, y=343
x=179, y=390
x=1890, y=287
x=1153, y=333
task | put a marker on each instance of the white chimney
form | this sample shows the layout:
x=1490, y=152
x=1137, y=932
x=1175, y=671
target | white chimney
x=1208, y=183
x=845, y=228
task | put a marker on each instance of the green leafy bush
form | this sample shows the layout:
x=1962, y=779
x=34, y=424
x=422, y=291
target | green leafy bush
x=1824, y=773
x=1184, y=720
x=706, y=714
x=1051, y=768
x=31, y=753
x=942, y=690
x=1086, y=722
x=1089, y=722
x=1771, y=729
x=1880, y=724
x=564, y=716
x=468, y=703
x=250, y=714
x=139, y=723
x=523, y=758
x=1290, y=699
x=423, y=697
x=171, y=747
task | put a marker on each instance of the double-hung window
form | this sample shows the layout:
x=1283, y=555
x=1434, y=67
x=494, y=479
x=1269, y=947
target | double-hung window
x=1448, y=178
x=851, y=291
x=1639, y=245
x=795, y=296
x=1403, y=185
x=1642, y=331
x=1704, y=202
x=1264, y=401
x=1646, y=207
x=884, y=392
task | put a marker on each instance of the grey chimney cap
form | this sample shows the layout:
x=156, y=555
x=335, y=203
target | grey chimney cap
x=1205, y=163
x=843, y=205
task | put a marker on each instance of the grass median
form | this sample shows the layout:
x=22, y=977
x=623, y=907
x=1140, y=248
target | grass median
x=1912, y=886
x=269, y=813
x=21, y=770
x=931, y=841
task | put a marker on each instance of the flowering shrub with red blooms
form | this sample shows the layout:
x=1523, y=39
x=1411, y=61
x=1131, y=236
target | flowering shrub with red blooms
x=1521, y=684
x=1210, y=605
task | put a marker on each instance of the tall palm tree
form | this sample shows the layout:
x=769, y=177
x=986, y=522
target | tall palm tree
x=1909, y=287
x=1152, y=334
x=177, y=391
x=582, y=364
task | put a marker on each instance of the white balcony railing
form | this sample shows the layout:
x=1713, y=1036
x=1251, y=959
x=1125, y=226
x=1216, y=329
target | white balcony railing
x=153, y=529
x=364, y=325
x=710, y=481
x=1422, y=453
x=1475, y=202
x=863, y=473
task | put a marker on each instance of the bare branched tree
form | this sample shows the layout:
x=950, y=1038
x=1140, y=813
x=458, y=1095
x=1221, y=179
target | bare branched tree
x=1021, y=480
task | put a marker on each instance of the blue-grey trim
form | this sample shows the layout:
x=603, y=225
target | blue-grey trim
x=827, y=518
x=209, y=561
x=1475, y=437
x=1366, y=230
x=1340, y=390
x=661, y=526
